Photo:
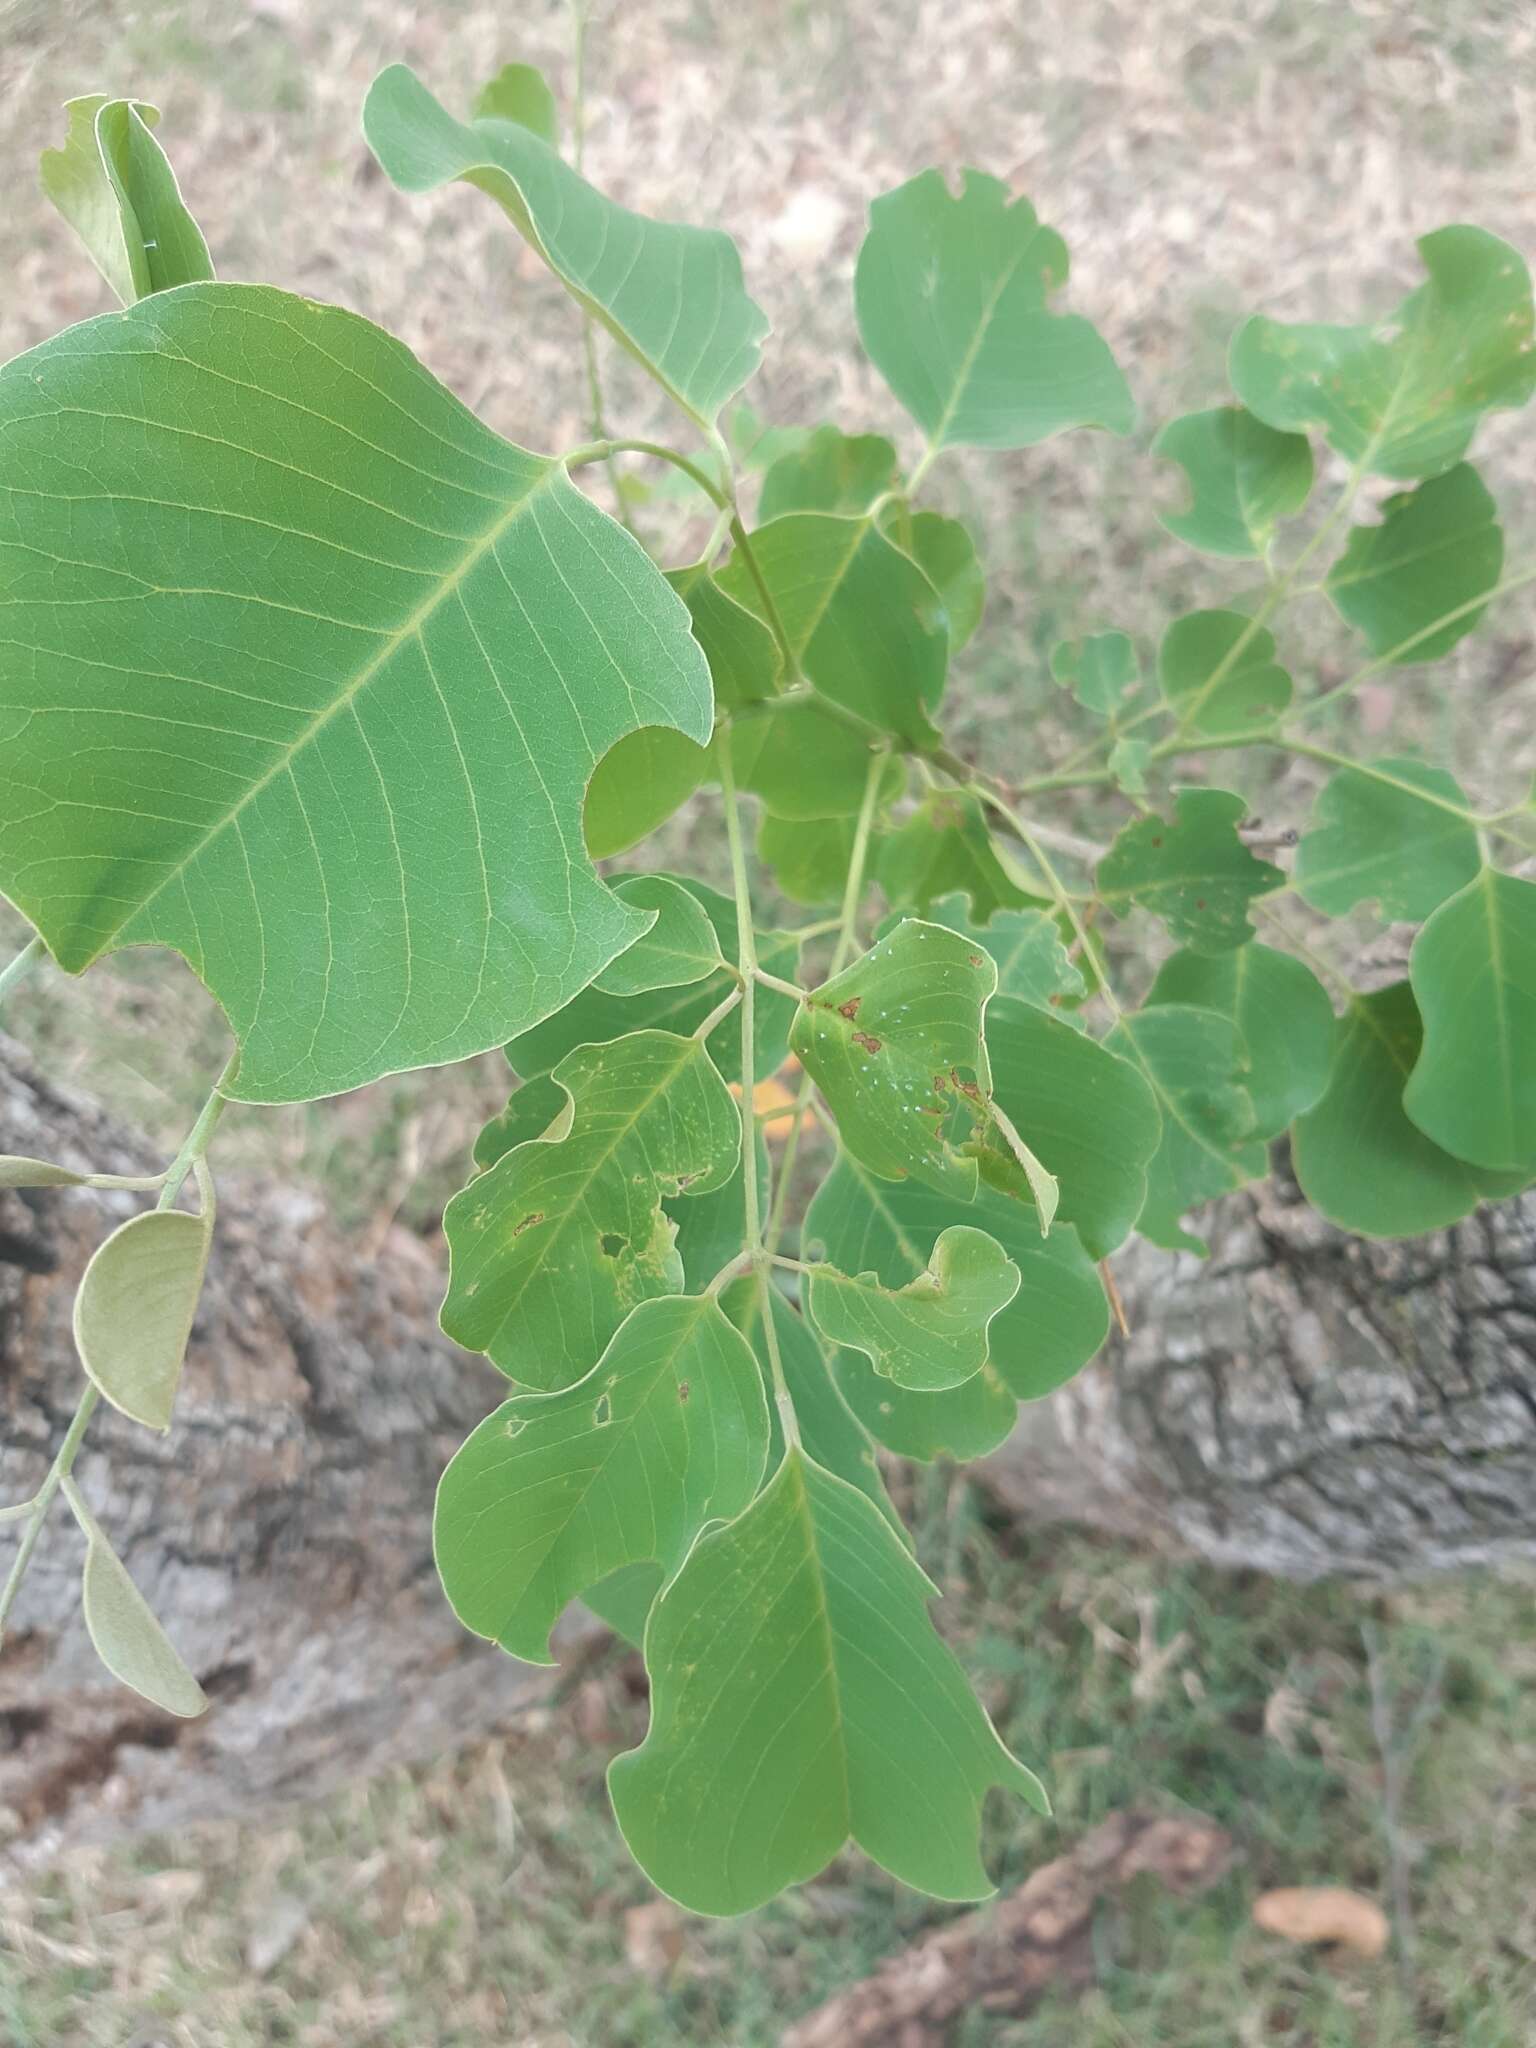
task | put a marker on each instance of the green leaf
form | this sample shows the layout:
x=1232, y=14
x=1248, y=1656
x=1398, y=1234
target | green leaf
x=593, y=1017
x=744, y=660
x=18, y=1171
x=1025, y=945
x=1435, y=551
x=951, y=295
x=624, y=1600
x=1197, y=1066
x=552, y=1247
x=1220, y=675
x=863, y=622
x=808, y=857
x=944, y=847
x=134, y=1309
x=1283, y=1017
x=1102, y=671
x=362, y=653
x=534, y=1110
x=1473, y=970
x=1395, y=832
x=830, y=472
x=1195, y=874
x=1091, y=1116
x=1244, y=478
x=126, y=1636
x=932, y=1333
x=637, y=786
x=1127, y=762
x=755, y=442
x=680, y=948
x=805, y=763
x=893, y=1042
x=710, y=1227
x=1403, y=397
x=672, y=296
x=1052, y=1327
x=946, y=554
x=1357, y=1157
x=775, y=1657
x=521, y=94
x=553, y=1492
x=113, y=184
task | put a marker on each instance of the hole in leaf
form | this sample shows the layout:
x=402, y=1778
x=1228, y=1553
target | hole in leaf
x=514, y=1425
x=610, y=1244
x=602, y=1414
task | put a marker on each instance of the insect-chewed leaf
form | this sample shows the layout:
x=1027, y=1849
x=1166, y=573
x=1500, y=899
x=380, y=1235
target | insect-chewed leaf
x=554, y=1245
x=1090, y=1115
x=520, y=93
x=1283, y=1017
x=951, y=295
x=638, y=784
x=540, y=1108
x=830, y=472
x=1102, y=670
x=126, y=1636
x=1195, y=874
x=945, y=847
x=946, y=554
x=894, y=1044
x=112, y=183
x=1197, y=1065
x=1026, y=948
x=679, y=949
x=593, y=1017
x=932, y=1333
x=1403, y=397
x=553, y=1492
x=1357, y=1157
x=744, y=659
x=134, y=1310
x=1244, y=478
x=863, y=622
x=1220, y=675
x=804, y=762
x=1396, y=832
x=775, y=1658
x=1411, y=584
x=672, y=296
x=1053, y=1325
x=1473, y=970
x=393, y=640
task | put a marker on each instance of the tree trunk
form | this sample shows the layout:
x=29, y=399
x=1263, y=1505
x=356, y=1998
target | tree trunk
x=1303, y=1403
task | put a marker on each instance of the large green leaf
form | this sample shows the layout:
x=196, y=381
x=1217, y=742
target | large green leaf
x=893, y=1042
x=1394, y=832
x=830, y=472
x=799, y=1696
x=1243, y=479
x=553, y=1246
x=1403, y=397
x=134, y=1308
x=112, y=183
x=1220, y=675
x=1195, y=874
x=951, y=295
x=1283, y=1017
x=311, y=685
x=1026, y=947
x=932, y=1333
x=1197, y=1066
x=943, y=847
x=672, y=296
x=553, y=1492
x=1357, y=1157
x=1473, y=969
x=679, y=949
x=1435, y=550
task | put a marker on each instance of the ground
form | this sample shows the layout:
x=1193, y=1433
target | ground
x=1203, y=158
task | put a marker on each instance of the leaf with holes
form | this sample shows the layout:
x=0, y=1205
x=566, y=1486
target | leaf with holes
x=1412, y=583
x=134, y=1309
x=932, y=1333
x=1244, y=478
x=1195, y=874
x=830, y=472
x=679, y=949
x=1220, y=675
x=1397, y=833
x=1282, y=1014
x=112, y=183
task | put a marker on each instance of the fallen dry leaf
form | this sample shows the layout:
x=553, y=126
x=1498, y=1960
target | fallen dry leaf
x=1318, y=1913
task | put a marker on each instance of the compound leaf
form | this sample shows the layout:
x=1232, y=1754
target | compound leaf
x=113, y=184
x=1283, y=1017
x=126, y=1636
x=520, y=93
x=134, y=1309
x=1435, y=551
x=774, y=1657
x=830, y=472
x=932, y=1333
x=679, y=949
x=553, y=1492
x=1195, y=874
x=944, y=847
x=1397, y=832
x=1244, y=478
x=1220, y=675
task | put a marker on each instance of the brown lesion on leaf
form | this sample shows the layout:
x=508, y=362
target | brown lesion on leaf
x=533, y=1216
x=850, y=1009
x=869, y=1044
x=683, y=1390
x=968, y=1089
x=974, y=958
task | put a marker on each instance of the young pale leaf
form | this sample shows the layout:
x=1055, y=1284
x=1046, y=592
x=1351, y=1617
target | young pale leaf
x=946, y=554
x=540, y=1108
x=553, y=1492
x=366, y=702
x=1025, y=946
x=864, y=624
x=943, y=847
x=1195, y=874
x=932, y=1333
x=672, y=296
x=951, y=295
x=1403, y=397
x=1244, y=478
x=1436, y=551
x=894, y=1044
x=1197, y=1066
x=1357, y=1157
x=775, y=1657
x=551, y=1248
x=134, y=1310
x=1473, y=970
x=1283, y=1017
x=1102, y=671
x=1397, y=832
x=17, y=1171
x=520, y=93
x=679, y=949
x=125, y=1634
x=1220, y=675
x=830, y=472
x=745, y=664
x=804, y=762
x=1091, y=1116
x=637, y=786
x=113, y=184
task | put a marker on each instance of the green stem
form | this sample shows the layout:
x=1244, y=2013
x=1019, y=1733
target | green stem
x=1060, y=895
x=16, y=970
x=777, y=981
x=602, y=451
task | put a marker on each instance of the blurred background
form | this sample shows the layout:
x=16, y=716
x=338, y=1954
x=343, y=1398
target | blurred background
x=1203, y=159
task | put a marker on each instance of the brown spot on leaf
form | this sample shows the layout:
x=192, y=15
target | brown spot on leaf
x=974, y=958
x=1156, y=841
x=850, y=1009
x=869, y=1044
x=968, y=1088
x=683, y=1390
x=533, y=1216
